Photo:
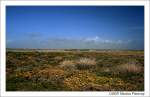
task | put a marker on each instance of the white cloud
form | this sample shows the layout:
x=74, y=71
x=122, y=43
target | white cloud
x=89, y=43
x=107, y=41
x=95, y=39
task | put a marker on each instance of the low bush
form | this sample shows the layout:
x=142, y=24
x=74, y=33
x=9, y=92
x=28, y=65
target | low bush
x=79, y=80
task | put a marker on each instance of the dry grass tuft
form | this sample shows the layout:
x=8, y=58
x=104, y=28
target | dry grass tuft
x=129, y=68
x=58, y=58
x=86, y=63
x=68, y=65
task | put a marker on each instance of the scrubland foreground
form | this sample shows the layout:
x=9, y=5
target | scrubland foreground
x=75, y=71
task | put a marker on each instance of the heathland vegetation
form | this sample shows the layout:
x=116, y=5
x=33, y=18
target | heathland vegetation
x=72, y=70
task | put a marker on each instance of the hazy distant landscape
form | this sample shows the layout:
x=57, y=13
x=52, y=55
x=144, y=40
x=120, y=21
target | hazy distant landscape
x=75, y=48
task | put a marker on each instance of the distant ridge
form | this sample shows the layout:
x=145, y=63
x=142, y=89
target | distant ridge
x=64, y=50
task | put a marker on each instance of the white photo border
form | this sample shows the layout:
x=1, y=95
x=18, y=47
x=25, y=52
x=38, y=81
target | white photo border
x=73, y=3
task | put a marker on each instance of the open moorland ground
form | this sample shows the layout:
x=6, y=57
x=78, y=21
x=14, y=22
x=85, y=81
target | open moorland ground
x=74, y=70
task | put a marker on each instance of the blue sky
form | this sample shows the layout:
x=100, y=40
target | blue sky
x=75, y=27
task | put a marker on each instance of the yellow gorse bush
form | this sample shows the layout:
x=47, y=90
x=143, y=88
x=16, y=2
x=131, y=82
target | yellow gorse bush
x=53, y=75
x=50, y=72
x=27, y=75
x=79, y=80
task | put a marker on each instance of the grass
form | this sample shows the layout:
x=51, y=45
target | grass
x=86, y=63
x=75, y=71
x=129, y=68
x=68, y=65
